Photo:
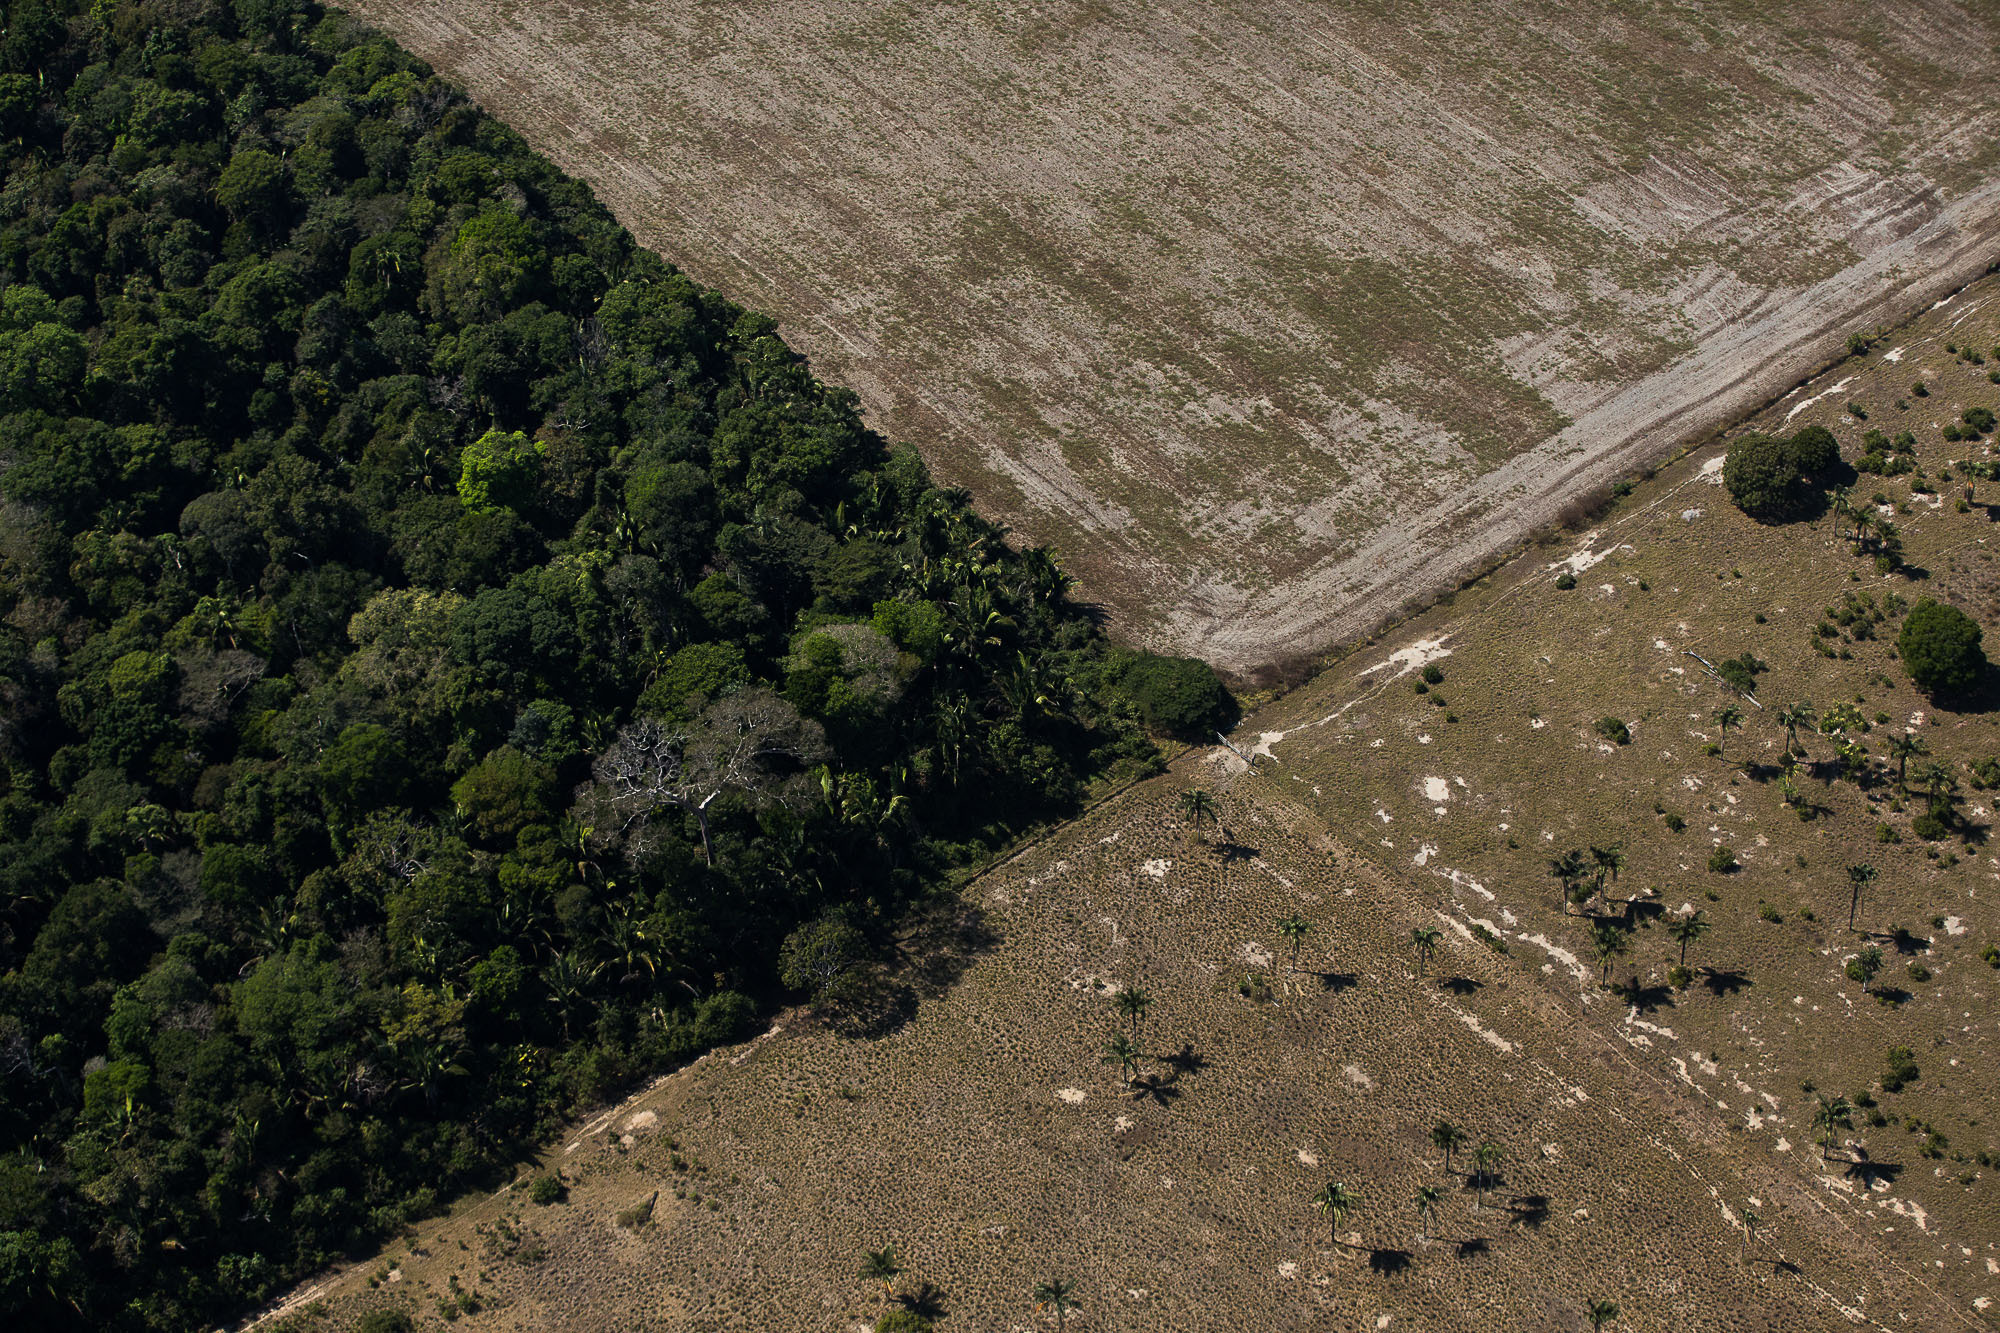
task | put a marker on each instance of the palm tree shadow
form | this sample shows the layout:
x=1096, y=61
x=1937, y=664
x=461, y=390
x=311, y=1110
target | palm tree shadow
x=1472, y=1247
x=926, y=1302
x=1528, y=1210
x=1388, y=1262
x=1154, y=1088
x=1186, y=1061
x=1647, y=999
x=1461, y=986
x=1336, y=981
x=1871, y=1174
x=1232, y=851
x=1724, y=981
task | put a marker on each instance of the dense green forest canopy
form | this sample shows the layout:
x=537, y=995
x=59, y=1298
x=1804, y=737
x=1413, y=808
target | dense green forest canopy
x=443, y=653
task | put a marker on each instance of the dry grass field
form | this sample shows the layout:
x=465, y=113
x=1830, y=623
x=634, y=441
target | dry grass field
x=1274, y=315
x=987, y=1141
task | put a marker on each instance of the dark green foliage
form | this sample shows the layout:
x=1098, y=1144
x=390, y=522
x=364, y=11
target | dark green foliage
x=1177, y=696
x=1613, y=730
x=1939, y=647
x=367, y=494
x=902, y=1321
x=1775, y=478
x=1899, y=1069
x=1741, y=672
x=384, y=1321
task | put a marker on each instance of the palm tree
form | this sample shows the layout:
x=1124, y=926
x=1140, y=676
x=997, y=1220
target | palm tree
x=1197, y=805
x=1727, y=718
x=1939, y=784
x=1133, y=1003
x=1607, y=941
x=1858, y=876
x=1903, y=749
x=1446, y=1137
x=1424, y=939
x=1609, y=861
x=1791, y=719
x=1427, y=1198
x=1294, y=928
x=1336, y=1201
x=1124, y=1054
x=1567, y=870
x=1750, y=1221
x=1829, y=1116
x=1842, y=507
x=1058, y=1294
x=1600, y=1313
x=1485, y=1158
x=881, y=1266
x=1689, y=929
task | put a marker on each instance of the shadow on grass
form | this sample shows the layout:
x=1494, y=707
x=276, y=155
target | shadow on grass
x=1473, y=1246
x=1528, y=1210
x=1186, y=1061
x=1336, y=981
x=926, y=1302
x=1725, y=981
x=1461, y=985
x=1388, y=1262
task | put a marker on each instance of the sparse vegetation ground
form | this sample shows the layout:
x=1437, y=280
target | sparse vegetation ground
x=1754, y=1138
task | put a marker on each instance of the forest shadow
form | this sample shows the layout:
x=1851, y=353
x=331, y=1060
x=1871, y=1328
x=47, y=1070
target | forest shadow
x=941, y=942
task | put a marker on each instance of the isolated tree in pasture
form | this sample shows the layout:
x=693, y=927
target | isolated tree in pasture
x=1607, y=862
x=1939, y=646
x=1133, y=1003
x=1122, y=1052
x=881, y=1266
x=1058, y=1294
x=1858, y=878
x=1600, y=1313
x=1424, y=939
x=1485, y=1161
x=1197, y=805
x=1828, y=1116
x=1294, y=928
x=1727, y=718
x=1426, y=1201
x=1689, y=929
x=1447, y=1138
x=1568, y=871
x=1903, y=749
x=1336, y=1201
x=1608, y=940
x=1797, y=715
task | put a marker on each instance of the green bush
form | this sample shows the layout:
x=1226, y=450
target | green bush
x=1940, y=648
x=1901, y=1069
x=1775, y=479
x=384, y=1321
x=1614, y=730
x=545, y=1190
x=902, y=1321
x=1930, y=827
x=1722, y=860
x=1178, y=696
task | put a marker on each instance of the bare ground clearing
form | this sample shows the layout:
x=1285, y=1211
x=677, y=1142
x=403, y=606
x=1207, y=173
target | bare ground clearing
x=1272, y=314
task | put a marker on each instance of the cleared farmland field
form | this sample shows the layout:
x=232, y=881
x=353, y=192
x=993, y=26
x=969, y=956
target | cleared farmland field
x=1274, y=315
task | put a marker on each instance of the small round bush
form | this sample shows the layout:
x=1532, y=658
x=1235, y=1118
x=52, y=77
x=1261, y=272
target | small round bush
x=1722, y=860
x=1565, y=580
x=1432, y=675
x=1929, y=827
x=1614, y=730
x=1178, y=696
x=545, y=1190
x=1939, y=646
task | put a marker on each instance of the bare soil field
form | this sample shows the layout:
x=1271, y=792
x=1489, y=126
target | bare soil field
x=1274, y=315
x=983, y=1136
